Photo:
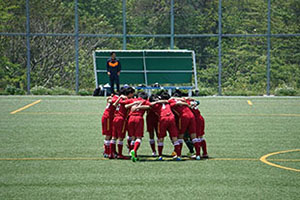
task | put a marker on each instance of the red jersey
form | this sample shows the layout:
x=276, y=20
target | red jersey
x=121, y=111
x=162, y=109
x=139, y=112
x=180, y=110
x=195, y=110
x=110, y=109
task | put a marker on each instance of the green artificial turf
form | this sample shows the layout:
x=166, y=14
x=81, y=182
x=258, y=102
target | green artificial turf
x=53, y=150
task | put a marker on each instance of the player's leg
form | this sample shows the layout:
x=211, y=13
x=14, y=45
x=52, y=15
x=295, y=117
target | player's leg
x=107, y=133
x=150, y=129
x=112, y=82
x=115, y=132
x=117, y=83
x=139, y=133
x=106, y=145
x=201, y=138
x=162, y=131
x=152, y=142
x=160, y=147
x=196, y=144
x=189, y=144
x=173, y=131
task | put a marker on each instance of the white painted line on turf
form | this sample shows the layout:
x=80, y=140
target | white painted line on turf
x=25, y=107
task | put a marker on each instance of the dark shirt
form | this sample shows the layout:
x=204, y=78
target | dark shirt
x=113, y=66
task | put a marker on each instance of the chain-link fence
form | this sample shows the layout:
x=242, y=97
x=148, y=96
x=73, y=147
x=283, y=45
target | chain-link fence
x=50, y=43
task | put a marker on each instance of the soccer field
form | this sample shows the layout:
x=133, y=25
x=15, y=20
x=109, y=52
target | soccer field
x=53, y=150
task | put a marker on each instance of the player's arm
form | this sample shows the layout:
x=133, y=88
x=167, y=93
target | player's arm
x=144, y=107
x=118, y=100
x=180, y=103
x=109, y=99
x=159, y=101
x=132, y=104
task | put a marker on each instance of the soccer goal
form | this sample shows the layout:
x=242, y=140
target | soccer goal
x=146, y=67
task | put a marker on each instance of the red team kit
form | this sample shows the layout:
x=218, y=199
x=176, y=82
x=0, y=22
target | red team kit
x=177, y=116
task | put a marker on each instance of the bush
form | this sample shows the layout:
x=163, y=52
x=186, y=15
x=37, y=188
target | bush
x=60, y=91
x=204, y=92
x=12, y=90
x=84, y=92
x=40, y=90
x=285, y=91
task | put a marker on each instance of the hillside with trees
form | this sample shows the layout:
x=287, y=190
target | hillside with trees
x=244, y=59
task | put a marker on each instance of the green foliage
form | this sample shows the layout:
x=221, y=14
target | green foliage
x=206, y=92
x=60, y=91
x=243, y=59
x=12, y=90
x=40, y=90
x=285, y=91
x=83, y=92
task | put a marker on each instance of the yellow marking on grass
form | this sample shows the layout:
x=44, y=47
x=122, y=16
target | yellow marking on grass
x=250, y=103
x=264, y=160
x=25, y=107
x=236, y=159
x=61, y=113
x=41, y=159
x=258, y=114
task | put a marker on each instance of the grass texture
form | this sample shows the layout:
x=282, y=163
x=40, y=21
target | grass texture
x=53, y=150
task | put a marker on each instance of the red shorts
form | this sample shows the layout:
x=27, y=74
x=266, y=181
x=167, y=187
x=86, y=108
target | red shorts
x=200, y=125
x=151, y=122
x=186, y=122
x=136, y=126
x=106, y=125
x=119, y=127
x=167, y=124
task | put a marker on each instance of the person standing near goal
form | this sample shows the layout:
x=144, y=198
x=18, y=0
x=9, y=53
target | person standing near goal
x=113, y=71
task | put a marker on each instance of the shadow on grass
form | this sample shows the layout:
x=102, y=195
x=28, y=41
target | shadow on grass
x=166, y=158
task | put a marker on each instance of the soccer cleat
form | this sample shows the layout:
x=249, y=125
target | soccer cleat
x=154, y=154
x=189, y=154
x=105, y=155
x=173, y=153
x=177, y=158
x=122, y=157
x=205, y=156
x=160, y=158
x=133, y=158
x=198, y=158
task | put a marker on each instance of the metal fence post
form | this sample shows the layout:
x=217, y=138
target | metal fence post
x=172, y=24
x=269, y=47
x=28, y=45
x=76, y=46
x=124, y=24
x=220, y=48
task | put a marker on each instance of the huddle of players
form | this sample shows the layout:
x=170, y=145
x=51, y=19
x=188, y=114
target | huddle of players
x=176, y=115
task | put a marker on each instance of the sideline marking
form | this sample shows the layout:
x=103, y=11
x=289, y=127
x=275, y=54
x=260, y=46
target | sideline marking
x=25, y=107
x=264, y=160
x=250, y=103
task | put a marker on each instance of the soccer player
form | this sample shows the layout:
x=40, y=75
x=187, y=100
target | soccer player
x=186, y=122
x=200, y=125
x=152, y=122
x=119, y=122
x=166, y=123
x=107, y=119
x=136, y=122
